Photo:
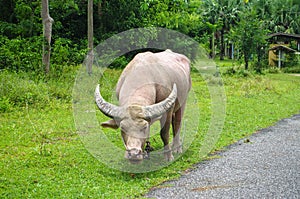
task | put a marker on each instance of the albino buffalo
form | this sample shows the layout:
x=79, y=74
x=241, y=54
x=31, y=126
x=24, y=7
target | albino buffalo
x=153, y=86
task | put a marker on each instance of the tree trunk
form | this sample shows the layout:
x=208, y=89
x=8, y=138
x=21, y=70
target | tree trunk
x=212, y=46
x=47, y=33
x=246, y=64
x=246, y=59
x=259, y=55
x=222, y=46
x=90, y=57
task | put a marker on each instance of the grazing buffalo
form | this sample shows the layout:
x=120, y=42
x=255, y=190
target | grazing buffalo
x=153, y=86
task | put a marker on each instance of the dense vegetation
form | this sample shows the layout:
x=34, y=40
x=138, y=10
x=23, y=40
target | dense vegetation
x=213, y=23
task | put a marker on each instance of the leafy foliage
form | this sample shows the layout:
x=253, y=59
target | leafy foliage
x=177, y=15
x=20, y=90
x=250, y=37
x=20, y=54
x=24, y=54
x=208, y=21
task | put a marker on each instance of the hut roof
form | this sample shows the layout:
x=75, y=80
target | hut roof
x=285, y=36
x=282, y=47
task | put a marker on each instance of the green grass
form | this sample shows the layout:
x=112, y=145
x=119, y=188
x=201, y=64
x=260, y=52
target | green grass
x=42, y=156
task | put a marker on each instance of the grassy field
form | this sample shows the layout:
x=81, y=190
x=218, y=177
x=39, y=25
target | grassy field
x=42, y=155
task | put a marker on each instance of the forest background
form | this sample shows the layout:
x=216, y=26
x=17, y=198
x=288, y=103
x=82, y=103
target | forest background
x=216, y=24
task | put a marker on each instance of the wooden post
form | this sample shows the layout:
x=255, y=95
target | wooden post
x=232, y=51
x=279, y=58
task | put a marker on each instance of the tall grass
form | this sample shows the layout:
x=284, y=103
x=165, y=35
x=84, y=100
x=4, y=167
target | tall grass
x=19, y=90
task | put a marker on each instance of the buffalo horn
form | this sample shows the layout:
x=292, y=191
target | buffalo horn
x=156, y=110
x=106, y=108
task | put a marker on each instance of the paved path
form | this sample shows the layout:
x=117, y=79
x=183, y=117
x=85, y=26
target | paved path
x=265, y=165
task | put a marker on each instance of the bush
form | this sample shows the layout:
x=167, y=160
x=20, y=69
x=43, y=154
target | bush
x=291, y=60
x=294, y=69
x=21, y=54
x=64, y=52
x=25, y=54
x=120, y=62
x=18, y=90
x=233, y=71
x=5, y=104
x=273, y=70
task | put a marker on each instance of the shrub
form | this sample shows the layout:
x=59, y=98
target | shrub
x=294, y=69
x=64, y=52
x=25, y=54
x=21, y=91
x=20, y=54
x=291, y=60
x=239, y=72
x=5, y=104
x=120, y=62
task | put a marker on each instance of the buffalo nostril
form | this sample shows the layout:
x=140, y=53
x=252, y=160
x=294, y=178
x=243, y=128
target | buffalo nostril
x=134, y=154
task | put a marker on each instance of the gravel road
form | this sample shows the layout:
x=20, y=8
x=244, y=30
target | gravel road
x=264, y=165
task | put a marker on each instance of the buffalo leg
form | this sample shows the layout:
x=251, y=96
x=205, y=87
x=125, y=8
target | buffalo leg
x=164, y=134
x=176, y=126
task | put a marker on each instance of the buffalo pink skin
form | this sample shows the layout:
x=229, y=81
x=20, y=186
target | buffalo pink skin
x=147, y=80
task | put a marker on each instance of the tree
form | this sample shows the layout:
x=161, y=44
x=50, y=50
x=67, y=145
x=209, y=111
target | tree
x=177, y=15
x=279, y=15
x=249, y=37
x=90, y=57
x=47, y=32
x=229, y=16
x=220, y=16
x=213, y=22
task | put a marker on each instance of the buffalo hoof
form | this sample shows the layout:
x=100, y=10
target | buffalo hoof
x=177, y=149
x=168, y=156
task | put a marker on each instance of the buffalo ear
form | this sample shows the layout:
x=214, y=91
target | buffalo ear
x=110, y=124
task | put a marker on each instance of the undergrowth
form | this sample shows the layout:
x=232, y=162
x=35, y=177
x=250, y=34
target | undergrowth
x=19, y=90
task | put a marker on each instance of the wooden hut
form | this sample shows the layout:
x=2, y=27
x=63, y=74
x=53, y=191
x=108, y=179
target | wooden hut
x=280, y=45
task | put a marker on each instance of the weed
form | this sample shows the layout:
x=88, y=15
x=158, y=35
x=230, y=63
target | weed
x=292, y=69
x=20, y=89
x=5, y=104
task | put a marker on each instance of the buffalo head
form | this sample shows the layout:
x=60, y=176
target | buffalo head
x=134, y=121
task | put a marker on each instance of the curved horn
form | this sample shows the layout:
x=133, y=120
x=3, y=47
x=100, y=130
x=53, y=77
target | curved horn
x=156, y=110
x=106, y=108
